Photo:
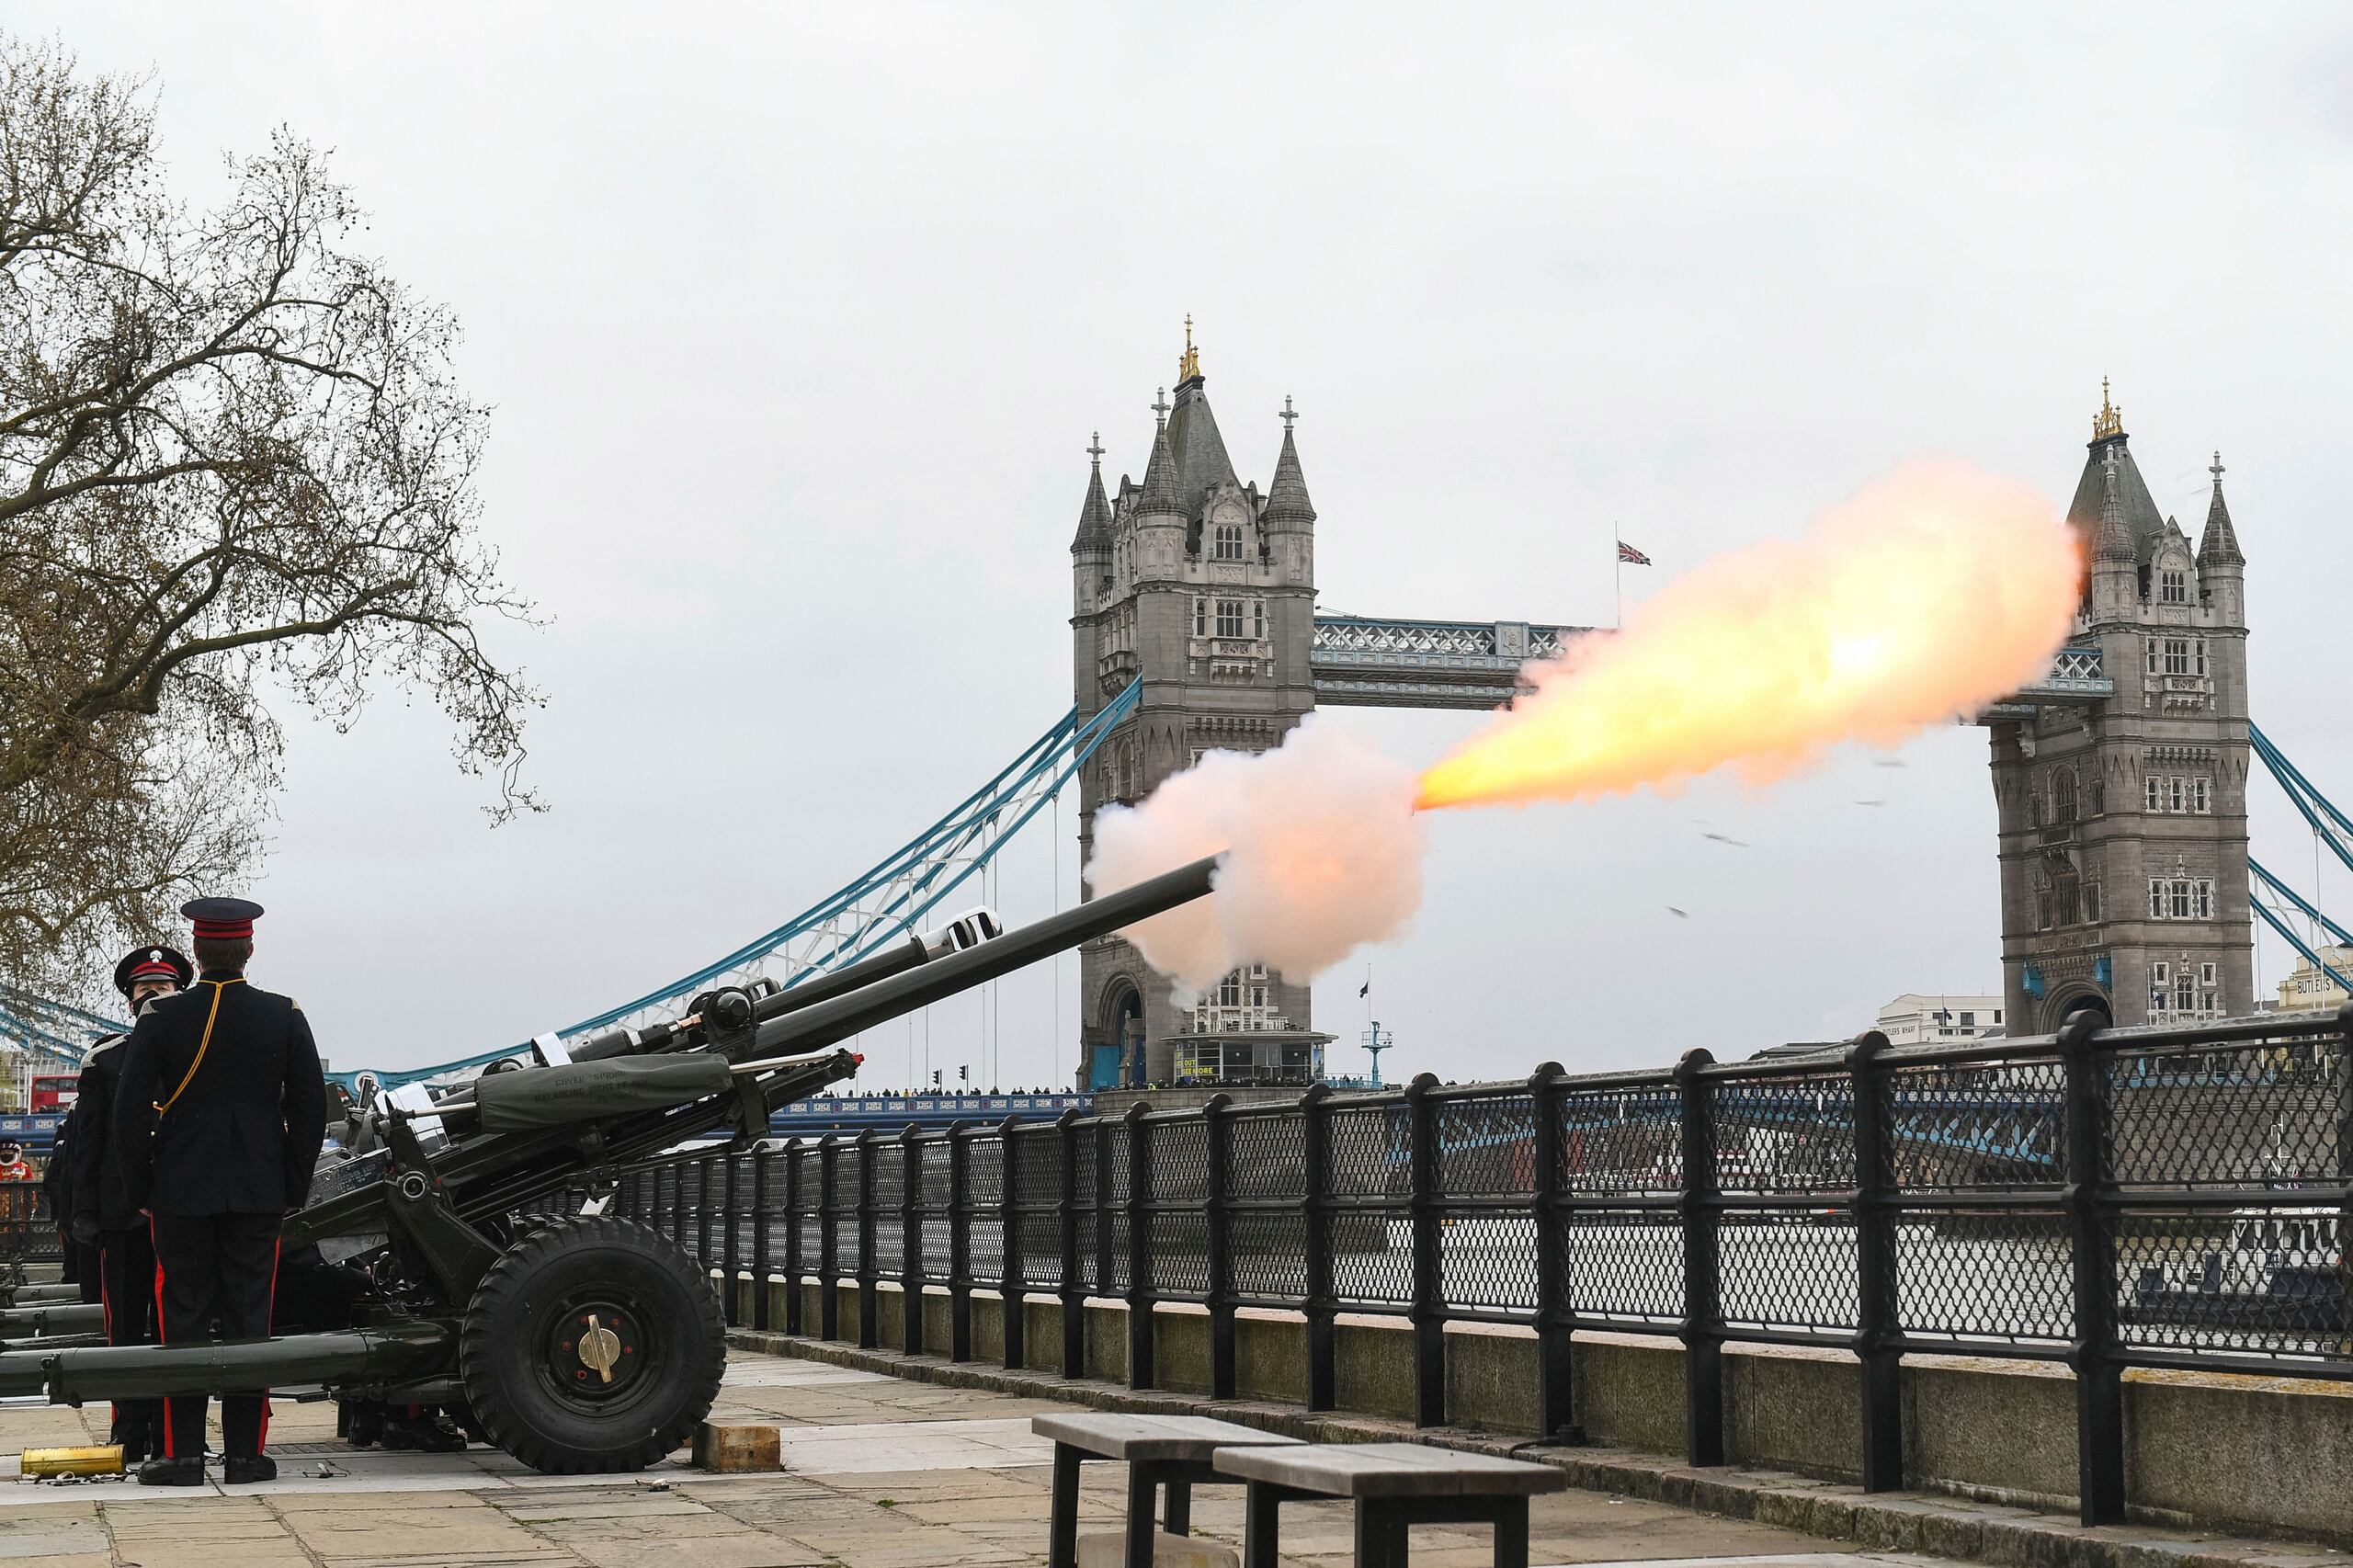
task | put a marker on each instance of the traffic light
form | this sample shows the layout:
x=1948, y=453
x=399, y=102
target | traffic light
x=935, y=1077
x=963, y=1075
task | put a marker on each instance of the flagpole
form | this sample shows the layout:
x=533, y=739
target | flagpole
x=1618, y=575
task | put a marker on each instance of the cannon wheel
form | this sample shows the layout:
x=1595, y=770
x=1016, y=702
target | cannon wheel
x=592, y=1345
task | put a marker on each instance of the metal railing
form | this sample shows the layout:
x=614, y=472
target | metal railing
x=2140, y=1198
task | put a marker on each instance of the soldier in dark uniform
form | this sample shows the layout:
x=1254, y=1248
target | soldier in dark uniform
x=76, y=1265
x=218, y=1117
x=103, y=1218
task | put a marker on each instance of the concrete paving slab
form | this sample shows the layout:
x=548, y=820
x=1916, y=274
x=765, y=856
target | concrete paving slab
x=749, y=1549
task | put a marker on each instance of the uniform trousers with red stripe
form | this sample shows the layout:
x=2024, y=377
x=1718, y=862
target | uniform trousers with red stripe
x=215, y=1275
x=127, y=1269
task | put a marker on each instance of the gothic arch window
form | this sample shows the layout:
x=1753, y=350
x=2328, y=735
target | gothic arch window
x=2063, y=794
x=1228, y=540
x=2173, y=588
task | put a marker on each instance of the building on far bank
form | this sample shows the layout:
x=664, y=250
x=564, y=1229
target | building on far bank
x=2309, y=989
x=1925, y=1018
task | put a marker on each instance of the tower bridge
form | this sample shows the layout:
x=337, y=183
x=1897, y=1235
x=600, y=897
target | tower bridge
x=2119, y=778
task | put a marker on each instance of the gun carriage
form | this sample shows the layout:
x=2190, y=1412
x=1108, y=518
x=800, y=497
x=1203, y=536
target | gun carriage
x=580, y=1343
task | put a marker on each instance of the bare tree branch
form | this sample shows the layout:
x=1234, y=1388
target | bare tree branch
x=234, y=459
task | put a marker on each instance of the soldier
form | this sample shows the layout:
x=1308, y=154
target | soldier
x=19, y=1196
x=103, y=1214
x=218, y=1119
x=77, y=1265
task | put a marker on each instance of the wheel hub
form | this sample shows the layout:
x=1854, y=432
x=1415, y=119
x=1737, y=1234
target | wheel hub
x=594, y=1349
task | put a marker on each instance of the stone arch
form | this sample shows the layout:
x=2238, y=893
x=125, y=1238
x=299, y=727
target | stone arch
x=2072, y=998
x=1119, y=1020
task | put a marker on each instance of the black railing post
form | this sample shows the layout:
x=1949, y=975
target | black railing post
x=910, y=1242
x=870, y=1277
x=1315, y=1204
x=829, y=1238
x=1011, y=1297
x=703, y=1208
x=1428, y=1310
x=792, y=1260
x=1073, y=1293
x=1216, y=1134
x=762, y=1162
x=1878, y=1325
x=731, y=1250
x=1102, y=1240
x=1555, y=1373
x=1139, y=1246
x=1703, y=1329
x=959, y=1241
x=679, y=1208
x=2344, y=1121
x=2100, y=1380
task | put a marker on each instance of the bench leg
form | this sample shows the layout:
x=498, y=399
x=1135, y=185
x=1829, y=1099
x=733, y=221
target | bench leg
x=1062, y=1528
x=1511, y=1534
x=1177, y=1511
x=1381, y=1535
x=1260, y=1535
x=1140, y=1481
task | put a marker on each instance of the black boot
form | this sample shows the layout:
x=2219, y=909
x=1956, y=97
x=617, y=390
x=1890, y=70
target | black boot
x=426, y=1431
x=238, y=1470
x=187, y=1470
x=364, y=1427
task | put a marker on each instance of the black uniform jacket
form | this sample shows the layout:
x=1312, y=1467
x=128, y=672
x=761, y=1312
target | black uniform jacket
x=242, y=1137
x=96, y=1181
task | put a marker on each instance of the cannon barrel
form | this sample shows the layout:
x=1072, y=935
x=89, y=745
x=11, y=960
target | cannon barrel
x=839, y=1017
x=775, y=1002
x=31, y=1295
x=893, y=959
x=53, y=1317
x=403, y=1349
x=489, y=1173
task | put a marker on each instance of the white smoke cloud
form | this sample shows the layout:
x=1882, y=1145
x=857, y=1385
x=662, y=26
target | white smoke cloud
x=1322, y=855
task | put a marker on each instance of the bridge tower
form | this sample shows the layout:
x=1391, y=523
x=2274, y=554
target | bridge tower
x=2123, y=816
x=1203, y=588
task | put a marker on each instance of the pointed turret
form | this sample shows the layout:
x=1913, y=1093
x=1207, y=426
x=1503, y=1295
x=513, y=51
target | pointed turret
x=2110, y=446
x=1095, y=513
x=2219, y=546
x=1286, y=502
x=2115, y=567
x=1160, y=494
x=1158, y=516
x=2114, y=539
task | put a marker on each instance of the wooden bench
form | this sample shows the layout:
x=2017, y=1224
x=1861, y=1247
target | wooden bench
x=1173, y=1452
x=1394, y=1486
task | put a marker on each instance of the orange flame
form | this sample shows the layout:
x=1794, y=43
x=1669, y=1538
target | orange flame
x=1932, y=593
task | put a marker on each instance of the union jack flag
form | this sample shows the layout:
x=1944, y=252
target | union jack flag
x=1631, y=556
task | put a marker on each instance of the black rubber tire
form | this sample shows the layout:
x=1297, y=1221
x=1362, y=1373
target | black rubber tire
x=518, y=1368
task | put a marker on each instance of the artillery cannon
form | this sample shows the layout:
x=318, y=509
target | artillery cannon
x=577, y=1344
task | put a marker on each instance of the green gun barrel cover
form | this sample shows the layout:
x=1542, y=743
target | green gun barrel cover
x=583, y=1091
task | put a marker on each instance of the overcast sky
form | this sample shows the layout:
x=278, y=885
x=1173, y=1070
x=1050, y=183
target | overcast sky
x=797, y=321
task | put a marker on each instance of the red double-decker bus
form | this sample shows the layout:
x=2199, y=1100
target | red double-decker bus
x=53, y=1093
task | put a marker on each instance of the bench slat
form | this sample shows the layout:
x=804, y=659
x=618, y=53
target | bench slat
x=1388, y=1470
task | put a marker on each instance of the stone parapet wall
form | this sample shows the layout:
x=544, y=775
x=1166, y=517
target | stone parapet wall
x=2203, y=1450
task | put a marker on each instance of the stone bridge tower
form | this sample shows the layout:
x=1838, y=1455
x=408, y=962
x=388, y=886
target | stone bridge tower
x=2123, y=816
x=1203, y=588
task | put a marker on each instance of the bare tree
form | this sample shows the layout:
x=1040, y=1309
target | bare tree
x=234, y=462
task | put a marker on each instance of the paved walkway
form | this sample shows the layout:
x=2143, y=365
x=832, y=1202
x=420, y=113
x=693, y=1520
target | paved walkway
x=880, y=1473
